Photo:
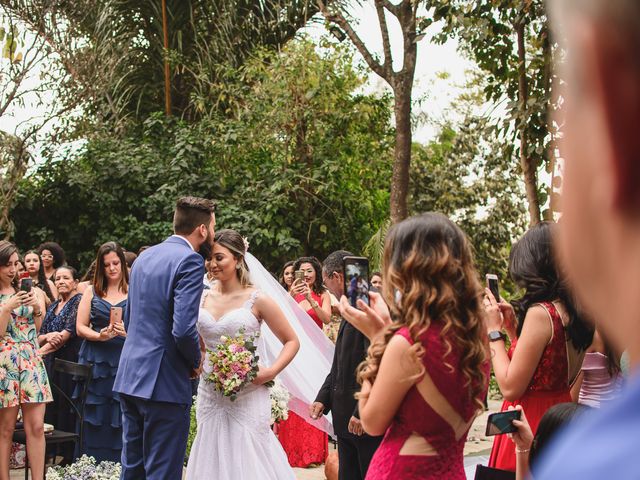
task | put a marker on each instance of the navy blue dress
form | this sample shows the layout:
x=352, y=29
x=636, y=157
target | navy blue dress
x=59, y=412
x=103, y=419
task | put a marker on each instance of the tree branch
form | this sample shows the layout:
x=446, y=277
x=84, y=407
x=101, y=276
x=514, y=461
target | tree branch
x=392, y=7
x=386, y=43
x=341, y=21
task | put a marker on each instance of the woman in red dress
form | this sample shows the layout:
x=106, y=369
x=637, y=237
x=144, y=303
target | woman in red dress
x=304, y=444
x=426, y=375
x=547, y=345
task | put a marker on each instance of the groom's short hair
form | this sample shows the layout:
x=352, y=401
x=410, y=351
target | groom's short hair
x=191, y=212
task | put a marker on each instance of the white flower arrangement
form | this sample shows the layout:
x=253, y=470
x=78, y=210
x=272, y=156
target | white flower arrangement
x=279, y=402
x=86, y=468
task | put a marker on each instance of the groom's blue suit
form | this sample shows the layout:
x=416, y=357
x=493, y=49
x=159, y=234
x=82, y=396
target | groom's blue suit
x=161, y=349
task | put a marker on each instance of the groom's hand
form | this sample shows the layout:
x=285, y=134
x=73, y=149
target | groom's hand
x=195, y=372
x=316, y=409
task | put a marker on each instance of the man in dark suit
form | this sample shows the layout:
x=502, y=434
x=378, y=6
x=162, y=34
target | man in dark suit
x=355, y=447
x=162, y=350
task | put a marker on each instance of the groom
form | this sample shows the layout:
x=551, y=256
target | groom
x=162, y=350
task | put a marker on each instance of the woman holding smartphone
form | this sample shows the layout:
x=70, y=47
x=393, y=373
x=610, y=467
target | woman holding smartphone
x=100, y=323
x=548, y=337
x=23, y=379
x=304, y=444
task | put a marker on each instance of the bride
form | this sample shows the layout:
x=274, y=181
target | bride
x=234, y=439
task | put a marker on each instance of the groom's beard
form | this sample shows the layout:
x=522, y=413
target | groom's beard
x=206, y=249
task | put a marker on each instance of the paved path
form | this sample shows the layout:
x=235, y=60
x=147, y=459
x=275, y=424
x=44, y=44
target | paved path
x=476, y=450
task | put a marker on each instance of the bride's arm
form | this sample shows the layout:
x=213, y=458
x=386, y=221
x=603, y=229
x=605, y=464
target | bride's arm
x=269, y=311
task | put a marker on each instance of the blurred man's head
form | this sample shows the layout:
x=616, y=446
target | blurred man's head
x=333, y=272
x=600, y=118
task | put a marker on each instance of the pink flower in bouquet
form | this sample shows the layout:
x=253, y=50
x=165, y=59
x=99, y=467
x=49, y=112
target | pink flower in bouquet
x=234, y=364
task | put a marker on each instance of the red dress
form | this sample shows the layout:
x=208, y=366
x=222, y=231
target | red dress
x=427, y=434
x=303, y=443
x=549, y=386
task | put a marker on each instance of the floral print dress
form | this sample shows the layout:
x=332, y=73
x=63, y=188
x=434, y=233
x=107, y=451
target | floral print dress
x=23, y=377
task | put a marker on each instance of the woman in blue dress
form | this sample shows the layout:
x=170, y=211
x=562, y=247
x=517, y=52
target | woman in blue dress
x=58, y=339
x=100, y=322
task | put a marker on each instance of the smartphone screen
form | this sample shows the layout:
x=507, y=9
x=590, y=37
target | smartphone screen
x=356, y=279
x=115, y=316
x=492, y=283
x=499, y=423
x=26, y=283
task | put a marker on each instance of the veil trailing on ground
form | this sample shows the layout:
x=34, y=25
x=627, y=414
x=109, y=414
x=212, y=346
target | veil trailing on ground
x=304, y=376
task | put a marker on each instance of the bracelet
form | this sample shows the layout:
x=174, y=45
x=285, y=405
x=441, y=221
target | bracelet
x=315, y=305
x=37, y=314
x=522, y=451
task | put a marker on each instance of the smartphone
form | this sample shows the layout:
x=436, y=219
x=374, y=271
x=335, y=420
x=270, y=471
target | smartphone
x=115, y=315
x=499, y=423
x=26, y=283
x=356, y=279
x=298, y=275
x=492, y=283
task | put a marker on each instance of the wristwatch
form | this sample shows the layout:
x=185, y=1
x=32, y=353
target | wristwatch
x=496, y=335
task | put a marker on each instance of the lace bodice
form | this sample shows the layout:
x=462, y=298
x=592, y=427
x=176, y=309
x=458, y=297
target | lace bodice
x=229, y=324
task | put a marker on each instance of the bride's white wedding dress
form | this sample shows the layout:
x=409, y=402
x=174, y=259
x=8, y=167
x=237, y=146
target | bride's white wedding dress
x=234, y=439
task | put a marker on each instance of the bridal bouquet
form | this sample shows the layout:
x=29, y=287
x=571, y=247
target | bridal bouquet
x=234, y=363
x=279, y=402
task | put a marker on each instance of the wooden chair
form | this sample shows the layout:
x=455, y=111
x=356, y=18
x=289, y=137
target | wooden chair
x=82, y=373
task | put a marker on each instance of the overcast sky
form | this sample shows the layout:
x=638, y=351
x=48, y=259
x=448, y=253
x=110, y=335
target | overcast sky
x=431, y=95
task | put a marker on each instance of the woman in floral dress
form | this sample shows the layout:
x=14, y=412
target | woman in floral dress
x=23, y=379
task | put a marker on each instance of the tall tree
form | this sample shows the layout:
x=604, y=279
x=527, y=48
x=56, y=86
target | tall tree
x=25, y=107
x=300, y=165
x=400, y=81
x=509, y=41
x=115, y=49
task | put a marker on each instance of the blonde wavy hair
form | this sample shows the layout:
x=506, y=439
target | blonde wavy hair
x=430, y=277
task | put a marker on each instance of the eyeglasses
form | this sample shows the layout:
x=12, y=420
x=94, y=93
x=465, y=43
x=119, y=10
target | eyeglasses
x=47, y=256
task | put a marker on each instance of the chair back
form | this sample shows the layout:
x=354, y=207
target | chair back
x=489, y=473
x=82, y=373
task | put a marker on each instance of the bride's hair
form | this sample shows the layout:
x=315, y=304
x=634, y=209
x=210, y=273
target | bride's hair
x=233, y=241
x=430, y=277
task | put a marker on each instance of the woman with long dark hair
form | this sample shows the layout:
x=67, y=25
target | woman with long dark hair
x=286, y=276
x=600, y=379
x=24, y=383
x=102, y=346
x=427, y=371
x=305, y=444
x=548, y=336
x=35, y=268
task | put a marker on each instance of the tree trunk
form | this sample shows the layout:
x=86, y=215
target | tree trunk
x=402, y=152
x=526, y=163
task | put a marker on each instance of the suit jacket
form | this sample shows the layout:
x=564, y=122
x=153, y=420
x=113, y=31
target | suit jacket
x=337, y=394
x=162, y=344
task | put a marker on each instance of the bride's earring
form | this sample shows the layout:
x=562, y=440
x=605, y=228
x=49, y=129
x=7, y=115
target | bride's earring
x=238, y=266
